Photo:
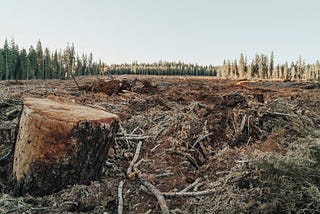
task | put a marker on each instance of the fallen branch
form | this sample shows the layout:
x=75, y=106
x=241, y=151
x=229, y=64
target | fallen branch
x=154, y=148
x=191, y=185
x=184, y=194
x=134, y=130
x=201, y=138
x=197, y=186
x=189, y=194
x=133, y=138
x=130, y=174
x=138, y=163
x=243, y=122
x=120, y=199
x=189, y=157
x=148, y=212
x=162, y=202
x=5, y=154
x=281, y=114
x=123, y=132
x=164, y=174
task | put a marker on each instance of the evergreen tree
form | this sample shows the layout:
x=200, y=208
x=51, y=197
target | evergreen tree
x=271, y=67
x=286, y=71
x=47, y=73
x=56, y=66
x=242, y=66
x=6, y=54
x=24, y=64
x=39, y=73
x=32, y=56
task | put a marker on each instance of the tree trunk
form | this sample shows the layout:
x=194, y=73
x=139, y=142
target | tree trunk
x=60, y=144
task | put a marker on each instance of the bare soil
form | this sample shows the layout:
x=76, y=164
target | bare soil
x=191, y=127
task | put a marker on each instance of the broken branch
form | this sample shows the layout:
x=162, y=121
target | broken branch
x=162, y=202
x=134, y=160
x=191, y=185
x=120, y=199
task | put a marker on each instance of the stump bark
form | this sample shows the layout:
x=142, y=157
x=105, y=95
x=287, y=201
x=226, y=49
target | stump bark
x=60, y=144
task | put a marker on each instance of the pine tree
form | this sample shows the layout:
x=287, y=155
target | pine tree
x=40, y=61
x=271, y=66
x=47, y=73
x=24, y=64
x=255, y=69
x=293, y=71
x=56, y=66
x=32, y=56
x=6, y=54
x=13, y=61
x=242, y=66
x=317, y=72
x=286, y=71
x=234, y=69
x=2, y=65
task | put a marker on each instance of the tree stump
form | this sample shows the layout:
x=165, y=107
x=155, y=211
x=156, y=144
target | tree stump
x=60, y=144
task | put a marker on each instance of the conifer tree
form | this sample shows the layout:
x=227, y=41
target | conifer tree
x=2, y=65
x=271, y=67
x=242, y=66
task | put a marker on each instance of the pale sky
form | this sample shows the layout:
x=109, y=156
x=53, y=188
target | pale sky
x=196, y=31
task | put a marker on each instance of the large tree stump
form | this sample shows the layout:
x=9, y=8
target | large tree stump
x=59, y=144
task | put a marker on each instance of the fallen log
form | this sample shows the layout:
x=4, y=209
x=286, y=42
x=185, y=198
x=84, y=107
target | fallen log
x=60, y=144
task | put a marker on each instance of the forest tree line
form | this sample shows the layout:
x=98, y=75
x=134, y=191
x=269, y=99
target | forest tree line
x=41, y=63
x=262, y=67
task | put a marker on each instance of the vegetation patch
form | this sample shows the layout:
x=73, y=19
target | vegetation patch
x=293, y=180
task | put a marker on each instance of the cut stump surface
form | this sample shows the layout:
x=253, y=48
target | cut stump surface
x=59, y=144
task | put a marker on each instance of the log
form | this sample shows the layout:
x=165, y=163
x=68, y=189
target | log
x=60, y=144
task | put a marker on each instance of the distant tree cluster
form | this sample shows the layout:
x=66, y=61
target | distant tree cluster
x=41, y=63
x=262, y=67
x=162, y=68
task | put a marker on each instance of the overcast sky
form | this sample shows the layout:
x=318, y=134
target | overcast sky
x=197, y=31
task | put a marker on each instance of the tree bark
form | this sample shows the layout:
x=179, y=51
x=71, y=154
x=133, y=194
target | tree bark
x=60, y=144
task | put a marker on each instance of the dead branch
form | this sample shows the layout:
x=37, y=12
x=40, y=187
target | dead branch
x=243, y=122
x=134, y=130
x=134, y=160
x=164, y=174
x=162, y=203
x=148, y=212
x=120, y=199
x=154, y=148
x=188, y=156
x=184, y=194
x=133, y=138
x=201, y=138
x=191, y=185
x=161, y=200
x=190, y=194
x=197, y=186
x=281, y=114
x=123, y=132
x=138, y=163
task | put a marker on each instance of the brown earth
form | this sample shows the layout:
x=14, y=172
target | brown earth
x=191, y=127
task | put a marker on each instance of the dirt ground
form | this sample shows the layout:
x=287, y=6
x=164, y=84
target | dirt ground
x=199, y=130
